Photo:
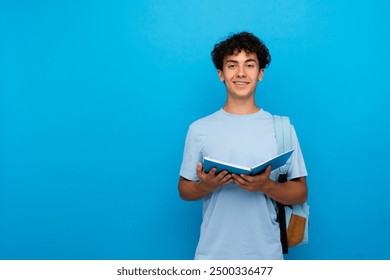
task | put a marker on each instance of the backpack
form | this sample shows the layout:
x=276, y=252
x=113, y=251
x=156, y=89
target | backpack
x=293, y=219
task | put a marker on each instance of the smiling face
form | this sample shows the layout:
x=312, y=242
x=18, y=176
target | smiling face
x=240, y=73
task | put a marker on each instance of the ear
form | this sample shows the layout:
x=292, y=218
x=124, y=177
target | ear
x=221, y=76
x=261, y=74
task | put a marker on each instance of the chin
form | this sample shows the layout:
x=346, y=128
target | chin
x=241, y=95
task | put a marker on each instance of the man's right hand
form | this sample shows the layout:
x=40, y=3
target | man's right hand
x=212, y=180
x=209, y=182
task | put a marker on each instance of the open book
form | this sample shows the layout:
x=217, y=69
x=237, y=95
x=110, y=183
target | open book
x=275, y=162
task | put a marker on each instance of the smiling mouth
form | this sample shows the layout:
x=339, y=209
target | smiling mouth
x=241, y=83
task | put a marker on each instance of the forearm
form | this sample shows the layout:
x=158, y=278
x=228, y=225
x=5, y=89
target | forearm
x=291, y=192
x=193, y=190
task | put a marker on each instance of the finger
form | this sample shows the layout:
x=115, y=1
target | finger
x=199, y=170
x=199, y=167
x=212, y=171
x=242, y=186
x=246, y=177
x=222, y=174
x=268, y=171
x=238, y=180
x=228, y=181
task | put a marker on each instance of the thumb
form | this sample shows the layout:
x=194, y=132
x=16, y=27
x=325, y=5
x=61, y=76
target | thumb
x=268, y=171
x=199, y=168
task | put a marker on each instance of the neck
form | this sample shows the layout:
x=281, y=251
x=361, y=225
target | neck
x=241, y=107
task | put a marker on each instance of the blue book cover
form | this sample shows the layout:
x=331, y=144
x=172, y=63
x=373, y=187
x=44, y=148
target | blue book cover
x=275, y=162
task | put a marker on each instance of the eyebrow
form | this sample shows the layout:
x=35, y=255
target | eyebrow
x=236, y=61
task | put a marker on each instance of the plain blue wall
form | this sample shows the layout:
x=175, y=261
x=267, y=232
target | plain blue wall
x=96, y=98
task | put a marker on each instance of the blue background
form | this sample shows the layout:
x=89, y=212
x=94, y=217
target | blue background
x=96, y=98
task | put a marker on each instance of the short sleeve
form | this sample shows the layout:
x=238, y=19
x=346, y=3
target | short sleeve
x=191, y=156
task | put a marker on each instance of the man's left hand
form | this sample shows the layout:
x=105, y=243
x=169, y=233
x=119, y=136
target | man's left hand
x=253, y=183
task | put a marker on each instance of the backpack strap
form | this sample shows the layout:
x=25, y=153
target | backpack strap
x=281, y=216
x=283, y=139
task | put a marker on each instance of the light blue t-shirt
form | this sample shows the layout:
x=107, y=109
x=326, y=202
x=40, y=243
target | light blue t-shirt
x=237, y=224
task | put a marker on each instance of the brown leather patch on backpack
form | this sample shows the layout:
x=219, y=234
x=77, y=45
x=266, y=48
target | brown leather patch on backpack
x=295, y=230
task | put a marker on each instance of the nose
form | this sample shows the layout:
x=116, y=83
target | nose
x=241, y=71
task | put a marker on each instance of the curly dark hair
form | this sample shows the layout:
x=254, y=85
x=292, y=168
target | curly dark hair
x=237, y=42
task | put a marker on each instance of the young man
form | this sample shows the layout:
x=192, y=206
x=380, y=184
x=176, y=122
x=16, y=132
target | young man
x=239, y=214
